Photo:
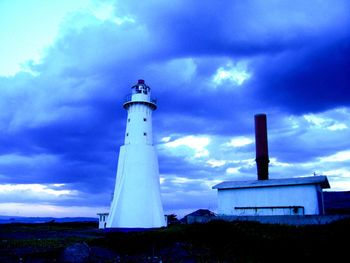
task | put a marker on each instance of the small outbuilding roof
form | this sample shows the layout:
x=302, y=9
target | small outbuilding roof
x=103, y=214
x=322, y=180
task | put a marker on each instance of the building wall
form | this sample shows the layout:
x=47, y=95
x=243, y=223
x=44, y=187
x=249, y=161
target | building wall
x=137, y=201
x=283, y=200
x=139, y=122
x=102, y=222
x=285, y=220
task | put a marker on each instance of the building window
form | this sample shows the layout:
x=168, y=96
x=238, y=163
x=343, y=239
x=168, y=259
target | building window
x=129, y=120
x=144, y=133
x=127, y=134
x=144, y=119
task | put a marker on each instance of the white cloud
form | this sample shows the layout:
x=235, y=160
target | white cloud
x=338, y=126
x=106, y=11
x=181, y=180
x=244, y=161
x=165, y=139
x=101, y=10
x=234, y=73
x=28, y=35
x=338, y=172
x=193, y=142
x=340, y=185
x=323, y=122
x=239, y=141
x=338, y=157
x=313, y=119
x=211, y=183
x=273, y=161
x=216, y=163
x=34, y=189
x=58, y=185
x=232, y=170
x=43, y=210
x=339, y=179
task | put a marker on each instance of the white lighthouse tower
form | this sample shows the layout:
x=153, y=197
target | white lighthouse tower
x=136, y=202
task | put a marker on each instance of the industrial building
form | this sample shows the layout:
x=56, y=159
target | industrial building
x=270, y=197
x=289, y=196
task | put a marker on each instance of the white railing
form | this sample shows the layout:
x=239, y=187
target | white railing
x=128, y=98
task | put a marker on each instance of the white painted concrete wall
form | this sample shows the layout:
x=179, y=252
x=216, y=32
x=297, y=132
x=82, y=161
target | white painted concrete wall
x=277, y=196
x=139, y=122
x=137, y=202
x=102, y=221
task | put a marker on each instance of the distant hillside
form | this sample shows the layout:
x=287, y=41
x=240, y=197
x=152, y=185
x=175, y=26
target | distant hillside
x=20, y=219
x=337, y=202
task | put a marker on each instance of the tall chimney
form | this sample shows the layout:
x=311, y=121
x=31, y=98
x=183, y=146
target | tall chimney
x=262, y=155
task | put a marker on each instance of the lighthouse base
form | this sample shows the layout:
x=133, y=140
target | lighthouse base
x=127, y=230
x=137, y=203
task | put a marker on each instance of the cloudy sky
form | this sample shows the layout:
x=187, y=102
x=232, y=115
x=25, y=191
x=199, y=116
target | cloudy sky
x=65, y=67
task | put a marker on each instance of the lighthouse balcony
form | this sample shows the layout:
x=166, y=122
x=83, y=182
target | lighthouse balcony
x=140, y=98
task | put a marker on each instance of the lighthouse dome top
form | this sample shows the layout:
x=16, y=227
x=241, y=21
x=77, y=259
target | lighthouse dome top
x=140, y=93
x=140, y=87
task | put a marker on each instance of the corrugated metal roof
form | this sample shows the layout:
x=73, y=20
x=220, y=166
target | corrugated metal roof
x=322, y=180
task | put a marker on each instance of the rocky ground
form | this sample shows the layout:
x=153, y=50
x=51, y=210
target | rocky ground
x=212, y=242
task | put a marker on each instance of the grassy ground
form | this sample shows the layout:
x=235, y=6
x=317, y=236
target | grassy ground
x=216, y=241
x=240, y=242
x=33, y=242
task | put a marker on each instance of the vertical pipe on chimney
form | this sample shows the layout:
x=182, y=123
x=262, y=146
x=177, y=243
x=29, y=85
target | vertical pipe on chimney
x=262, y=155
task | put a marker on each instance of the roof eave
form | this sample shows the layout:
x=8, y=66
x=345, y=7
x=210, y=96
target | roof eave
x=323, y=182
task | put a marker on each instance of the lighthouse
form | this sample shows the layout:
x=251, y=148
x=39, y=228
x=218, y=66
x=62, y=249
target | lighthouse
x=136, y=201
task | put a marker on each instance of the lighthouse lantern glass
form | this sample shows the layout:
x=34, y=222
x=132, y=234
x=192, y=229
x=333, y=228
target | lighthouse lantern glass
x=141, y=89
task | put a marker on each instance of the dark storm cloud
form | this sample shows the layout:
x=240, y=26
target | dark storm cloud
x=302, y=49
x=232, y=27
x=307, y=81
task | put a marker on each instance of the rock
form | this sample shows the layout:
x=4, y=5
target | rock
x=178, y=252
x=98, y=254
x=76, y=253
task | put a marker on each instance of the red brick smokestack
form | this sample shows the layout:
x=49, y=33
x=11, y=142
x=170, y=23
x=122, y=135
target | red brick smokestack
x=262, y=154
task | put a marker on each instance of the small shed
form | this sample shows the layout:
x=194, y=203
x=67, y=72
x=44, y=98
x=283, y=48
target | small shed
x=102, y=220
x=290, y=196
x=199, y=212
